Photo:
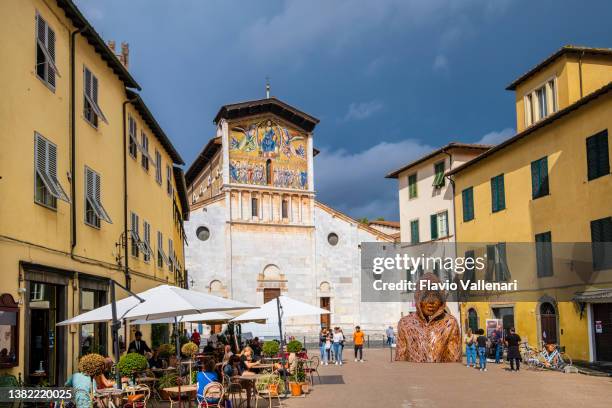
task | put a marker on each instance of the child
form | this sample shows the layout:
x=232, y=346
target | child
x=481, y=340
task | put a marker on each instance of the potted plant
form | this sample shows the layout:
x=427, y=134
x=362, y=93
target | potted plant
x=166, y=350
x=130, y=364
x=166, y=381
x=295, y=386
x=190, y=349
x=300, y=376
x=294, y=346
x=270, y=348
x=92, y=364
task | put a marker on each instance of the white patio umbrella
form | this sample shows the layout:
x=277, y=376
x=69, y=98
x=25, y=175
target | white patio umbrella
x=287, y=306
x=161, y=302
x=212, y=317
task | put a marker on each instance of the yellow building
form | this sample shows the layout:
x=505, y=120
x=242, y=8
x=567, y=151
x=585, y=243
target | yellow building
x=89, y=188
x=550, y=184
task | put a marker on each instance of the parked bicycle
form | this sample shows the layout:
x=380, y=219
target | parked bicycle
x=550, y=357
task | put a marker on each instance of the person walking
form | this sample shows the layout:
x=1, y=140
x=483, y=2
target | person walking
x=390, y=336
x=358, y=339
x=337, y=340
x=470, y=348
x=514, y=355
x=498, y=345
x=481, y=341
x=323, y=346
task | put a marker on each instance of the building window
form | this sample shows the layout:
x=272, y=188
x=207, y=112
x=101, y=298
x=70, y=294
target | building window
x=332, y=239
x=94, y=210
x=135, y=234
x=498, y=195
x=544, y=258
x=285, y=208
x=470, y=266
x=439, y=175
x=539, y=178
x=144, y=146
x=147, y=241
x=133, y=143
x=171, y=257
x=91, y=109
x=412, y=186
x=161, y=255
x=439, y=225
x=47, y=187
x=497, y=264
x=45, y=52
x=92, y=335
x=158, y=167
x=254, y=207
x=203, y=233
x=9, y=329
x=473, y=320
x=467, y=196
x=414, y=232
x=541, y=102
x=601, y=243
x=269, y=172
x=169, y=188
x=598, y=160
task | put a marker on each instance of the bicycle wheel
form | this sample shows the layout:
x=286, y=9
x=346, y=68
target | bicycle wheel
x=566, y=359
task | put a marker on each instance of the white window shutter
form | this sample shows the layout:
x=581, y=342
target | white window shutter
x=52, y=172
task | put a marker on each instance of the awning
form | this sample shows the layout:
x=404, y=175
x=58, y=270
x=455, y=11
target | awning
x=594, y=296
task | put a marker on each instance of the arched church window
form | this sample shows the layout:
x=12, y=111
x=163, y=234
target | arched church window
x=269, y=172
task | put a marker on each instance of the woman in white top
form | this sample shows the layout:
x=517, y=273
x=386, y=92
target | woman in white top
x=337, y=340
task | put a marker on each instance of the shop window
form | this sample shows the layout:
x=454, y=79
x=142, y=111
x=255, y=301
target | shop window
x=9, y=331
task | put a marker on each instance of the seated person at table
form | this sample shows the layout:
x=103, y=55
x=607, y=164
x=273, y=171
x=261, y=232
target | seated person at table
x=81, y=384
x=138, y=345
x=256, y=347
x=209, y=348
x=246, y=359
x=154, y=360
x=227, y=354
x=206, y=377
x=233, y=367
x=290, y=366
x=101, y=380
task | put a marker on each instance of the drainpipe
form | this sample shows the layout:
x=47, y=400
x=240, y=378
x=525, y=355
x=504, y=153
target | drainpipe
x=452, y=185
x=73, y=233
x=126, y=270
x=580, y=71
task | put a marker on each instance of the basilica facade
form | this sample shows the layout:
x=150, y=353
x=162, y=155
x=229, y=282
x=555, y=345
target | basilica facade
x=256, y=230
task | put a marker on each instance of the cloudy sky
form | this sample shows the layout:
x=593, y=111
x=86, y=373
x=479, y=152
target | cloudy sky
x=389, y=79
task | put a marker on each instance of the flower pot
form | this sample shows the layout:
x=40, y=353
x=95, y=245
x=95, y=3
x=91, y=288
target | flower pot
x=296, y=389
x=273, y=389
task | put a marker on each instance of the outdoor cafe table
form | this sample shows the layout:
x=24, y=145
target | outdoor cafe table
x=250, y=378
x=111, y=397
x=190, y=390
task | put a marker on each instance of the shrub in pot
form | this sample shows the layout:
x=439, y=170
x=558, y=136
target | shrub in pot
x=92, y=364
x=270, y=348
x=166, y=350
x=294, y=346
x=131, y=363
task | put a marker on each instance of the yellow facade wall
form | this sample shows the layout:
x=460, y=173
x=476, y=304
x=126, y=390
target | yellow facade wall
x=32, y=233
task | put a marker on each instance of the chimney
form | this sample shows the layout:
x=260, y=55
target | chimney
x=123, y=55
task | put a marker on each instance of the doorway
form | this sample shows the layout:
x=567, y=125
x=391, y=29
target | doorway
x=46, y=342
x=602, y=321
x=270, y=294
x=548, y=323
x=506, y=314
x=325, y=303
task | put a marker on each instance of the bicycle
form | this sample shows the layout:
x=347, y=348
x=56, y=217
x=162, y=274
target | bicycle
x=549, y=358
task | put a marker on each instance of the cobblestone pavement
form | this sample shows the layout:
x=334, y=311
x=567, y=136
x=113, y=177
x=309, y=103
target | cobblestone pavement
x=377, y=382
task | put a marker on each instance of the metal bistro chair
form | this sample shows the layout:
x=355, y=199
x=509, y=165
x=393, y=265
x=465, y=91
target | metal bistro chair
x=233, y=391
x=311, y=367
x=212, y=392
x=139, y=398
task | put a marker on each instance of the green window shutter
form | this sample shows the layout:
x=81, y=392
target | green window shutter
x=598, y=160
x=498, y=198
x=434, y=226
x=539, y=178
x=601, y=241
x=412, y=185
x=468, y=204
x=544, y=254
x=439, y=178
x=414, y=232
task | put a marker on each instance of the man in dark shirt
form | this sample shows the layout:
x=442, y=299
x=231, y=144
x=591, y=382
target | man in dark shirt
x=514, y=356
x=481, y=341
x=138, y=345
